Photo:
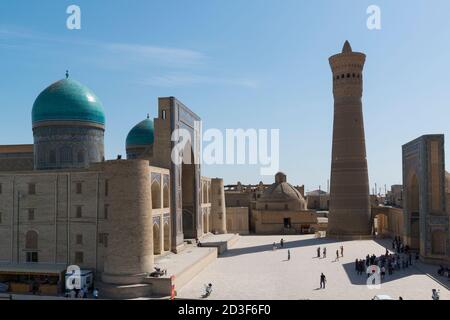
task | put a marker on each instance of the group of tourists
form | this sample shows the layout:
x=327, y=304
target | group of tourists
x=389, y=262
x=398, y=246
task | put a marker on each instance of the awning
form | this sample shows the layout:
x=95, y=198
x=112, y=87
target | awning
x=33, y=269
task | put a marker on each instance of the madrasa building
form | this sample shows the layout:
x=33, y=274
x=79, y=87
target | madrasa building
x=63, y=204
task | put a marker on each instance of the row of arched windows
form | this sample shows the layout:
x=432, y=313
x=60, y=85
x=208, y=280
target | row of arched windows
x=66, y=156
x=348, y=76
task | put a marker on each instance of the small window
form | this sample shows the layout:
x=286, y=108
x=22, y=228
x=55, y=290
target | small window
x=79, y=213
x=337, y=78
x=163, y=114
x=105, y=212
x=32, y=257
x=343, y=76
x=79, y=187
x=286, y=207
x=79, y=257
x=353, y=75
x=31, y=188
x=30, y=214
x=79, y=239
x=348, y=75
x=266, y=207
x=103, y=239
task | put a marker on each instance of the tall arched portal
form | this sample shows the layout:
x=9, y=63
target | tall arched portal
x=425, y=212
x=188, y=197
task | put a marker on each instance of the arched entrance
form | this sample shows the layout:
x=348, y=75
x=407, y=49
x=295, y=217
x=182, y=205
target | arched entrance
x=166, y=197
x=414, y=212
x=381, y=225
x=156, y=239
x=188, y=223
x=166, y=236
x=205, y=222
x=156, y=195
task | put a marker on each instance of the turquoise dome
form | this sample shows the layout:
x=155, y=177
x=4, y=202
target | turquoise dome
x=67, y=100
x=142, y=134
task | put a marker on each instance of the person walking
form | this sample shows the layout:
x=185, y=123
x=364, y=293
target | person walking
x=324, y=253
x=282, y=243
x=289, y=254
x=342, y=251
x=323, y=281
x=337, y=255
x=383, y=272
x=318, y=252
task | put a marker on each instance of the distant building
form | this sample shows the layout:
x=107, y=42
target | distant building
x=318, y=200
x=279, y=208
x=282, y=209
x=394, y=197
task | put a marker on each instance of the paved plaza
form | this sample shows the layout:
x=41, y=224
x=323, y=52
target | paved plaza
x=252, y=270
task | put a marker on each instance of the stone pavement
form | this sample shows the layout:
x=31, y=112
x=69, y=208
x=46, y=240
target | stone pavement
x=252, y=270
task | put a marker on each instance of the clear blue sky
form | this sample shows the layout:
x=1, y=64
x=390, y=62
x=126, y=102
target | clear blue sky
x=237, y=64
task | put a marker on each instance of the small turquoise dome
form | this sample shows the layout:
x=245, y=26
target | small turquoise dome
x=68, y=100
x=142, y=134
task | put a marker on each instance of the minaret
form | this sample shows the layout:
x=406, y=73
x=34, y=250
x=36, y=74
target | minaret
x=349, y=194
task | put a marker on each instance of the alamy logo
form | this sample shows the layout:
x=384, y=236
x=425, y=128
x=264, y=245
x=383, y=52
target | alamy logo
x=238, y=146
x=73, y=22
x=374, y=277
x=73, y=281
x=374, y=19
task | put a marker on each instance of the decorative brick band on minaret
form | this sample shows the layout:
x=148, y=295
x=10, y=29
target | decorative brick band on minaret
x=349, y=191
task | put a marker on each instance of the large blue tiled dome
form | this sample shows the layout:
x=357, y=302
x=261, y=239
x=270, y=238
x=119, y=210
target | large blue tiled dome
x=68, y=100
x=142, y=134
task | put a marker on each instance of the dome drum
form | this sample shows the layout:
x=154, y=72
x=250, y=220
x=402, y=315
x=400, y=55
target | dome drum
x=68, y=127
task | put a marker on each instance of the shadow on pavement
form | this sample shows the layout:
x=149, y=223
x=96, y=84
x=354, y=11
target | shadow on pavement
x=287, y=245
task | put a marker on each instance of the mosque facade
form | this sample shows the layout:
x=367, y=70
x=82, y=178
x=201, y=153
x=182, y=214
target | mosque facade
x=62, y=203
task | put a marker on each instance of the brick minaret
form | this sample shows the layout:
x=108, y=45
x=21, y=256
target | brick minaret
x=349, y=194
